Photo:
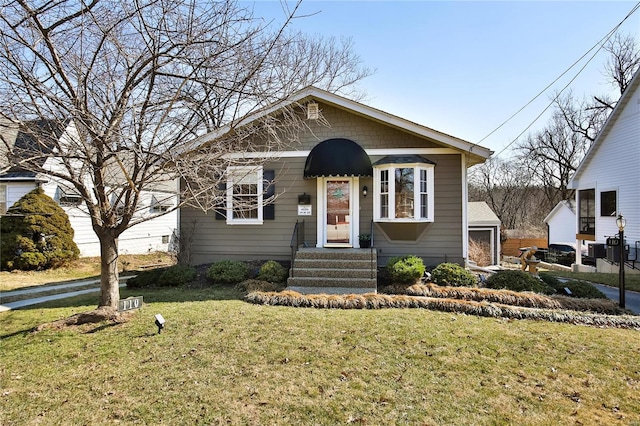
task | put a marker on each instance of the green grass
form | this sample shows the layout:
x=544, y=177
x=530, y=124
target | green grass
x=631, y=281
x=223, y=361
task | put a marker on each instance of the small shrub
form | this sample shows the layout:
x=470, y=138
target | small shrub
x=249, y=286
x=453, y=275
x=405, y=269
x=227, y=272
x=551, y=281
x=177, y=275
x=145, y=278
x=518, y=281
x=578, y=289
x=173, y=276
x=273, y=272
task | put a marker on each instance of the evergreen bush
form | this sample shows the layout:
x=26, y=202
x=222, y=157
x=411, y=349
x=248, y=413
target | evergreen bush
x=273, y=272
x=37, y=236
x=177, y=275
x=251, y=285
x=227, y=272
x=173, y=276
x=518, y=281
x=405, y=269
x=145, y=279
x=453, y=275
x=579, y=289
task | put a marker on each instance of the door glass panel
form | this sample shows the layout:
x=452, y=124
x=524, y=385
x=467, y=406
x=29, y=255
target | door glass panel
x=338, y=212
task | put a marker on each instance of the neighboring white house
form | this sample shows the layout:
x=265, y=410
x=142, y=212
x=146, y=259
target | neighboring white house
x=484, y=226
x=155, y=234
x=560, y=222
x=607, y=182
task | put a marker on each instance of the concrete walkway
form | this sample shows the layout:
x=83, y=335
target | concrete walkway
x=41, y=289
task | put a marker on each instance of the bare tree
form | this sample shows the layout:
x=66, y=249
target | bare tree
x=624, y=61
x=506, y=187
x=140, y=81
x=551, y=155
x=586, y=117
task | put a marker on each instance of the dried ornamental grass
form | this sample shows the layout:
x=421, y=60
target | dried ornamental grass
x=507, y=297
x=470, y=307
x=514, y=298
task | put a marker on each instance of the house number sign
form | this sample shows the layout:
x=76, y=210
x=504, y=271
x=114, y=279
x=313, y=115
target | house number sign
x=130, y=303
x=304, y=210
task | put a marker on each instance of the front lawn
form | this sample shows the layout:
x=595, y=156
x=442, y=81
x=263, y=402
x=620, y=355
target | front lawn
x=221, y=360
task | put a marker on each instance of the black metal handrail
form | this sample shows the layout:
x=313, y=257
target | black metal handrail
x=297, y=239
x=371, y=248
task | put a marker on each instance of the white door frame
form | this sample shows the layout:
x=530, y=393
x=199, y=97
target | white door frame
x=354, y=210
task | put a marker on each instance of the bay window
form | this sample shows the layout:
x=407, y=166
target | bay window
x=403, y=189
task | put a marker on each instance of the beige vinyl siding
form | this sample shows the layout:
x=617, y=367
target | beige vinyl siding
x=367, y=133
x=216, y=240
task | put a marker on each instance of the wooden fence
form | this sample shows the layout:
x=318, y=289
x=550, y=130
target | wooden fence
x=510, y=247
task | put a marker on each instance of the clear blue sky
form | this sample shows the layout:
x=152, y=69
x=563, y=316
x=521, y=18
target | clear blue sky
x=464, y=67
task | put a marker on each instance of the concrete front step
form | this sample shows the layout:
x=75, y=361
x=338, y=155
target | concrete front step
x=336, y=263
x=332, y=282
x=317, y=269
x=335, y=272
x=336, y=254
x=332, y=290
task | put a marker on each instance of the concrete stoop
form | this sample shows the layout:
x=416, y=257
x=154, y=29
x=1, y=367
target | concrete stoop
x=334, y=271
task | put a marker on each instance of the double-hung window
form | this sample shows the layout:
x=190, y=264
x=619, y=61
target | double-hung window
x=403, y=189
x=244, y=195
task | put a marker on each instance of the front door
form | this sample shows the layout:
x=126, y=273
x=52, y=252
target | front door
x=338, y=223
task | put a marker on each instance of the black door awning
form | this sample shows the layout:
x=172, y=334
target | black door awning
x=337, y=157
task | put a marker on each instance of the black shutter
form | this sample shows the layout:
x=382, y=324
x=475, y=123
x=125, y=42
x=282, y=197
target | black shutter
x=269, y=210
x=221, y=213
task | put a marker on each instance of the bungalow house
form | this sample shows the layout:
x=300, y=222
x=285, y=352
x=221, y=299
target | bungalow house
x=152, y=235
x=354, y=171
x=607, y=181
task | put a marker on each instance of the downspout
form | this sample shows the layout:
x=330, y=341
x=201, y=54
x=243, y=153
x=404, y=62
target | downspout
x=578, y=259
x=465, y=219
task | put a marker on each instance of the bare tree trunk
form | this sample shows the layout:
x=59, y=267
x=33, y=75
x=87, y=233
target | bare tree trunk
x=109, y=279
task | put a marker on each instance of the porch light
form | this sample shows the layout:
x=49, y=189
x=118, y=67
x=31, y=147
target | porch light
x=365, y=191
x=621, y=222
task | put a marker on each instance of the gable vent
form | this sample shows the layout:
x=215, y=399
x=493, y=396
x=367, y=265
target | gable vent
x=313, y=111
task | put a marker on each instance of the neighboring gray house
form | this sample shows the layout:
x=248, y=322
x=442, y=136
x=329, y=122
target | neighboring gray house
x=152, y=235
x=484, y=226
x=607, y=182
x=365, y=171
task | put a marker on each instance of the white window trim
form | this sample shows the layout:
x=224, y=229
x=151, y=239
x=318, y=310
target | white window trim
x=416, y=192
x=245, y=171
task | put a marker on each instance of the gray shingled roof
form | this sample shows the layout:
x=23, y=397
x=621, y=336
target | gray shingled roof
x=479, y=213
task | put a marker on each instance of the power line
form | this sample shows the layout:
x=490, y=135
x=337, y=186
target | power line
x=598, y=46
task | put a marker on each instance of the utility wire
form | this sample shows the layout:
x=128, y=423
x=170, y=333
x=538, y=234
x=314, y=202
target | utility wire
x=599, y=45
